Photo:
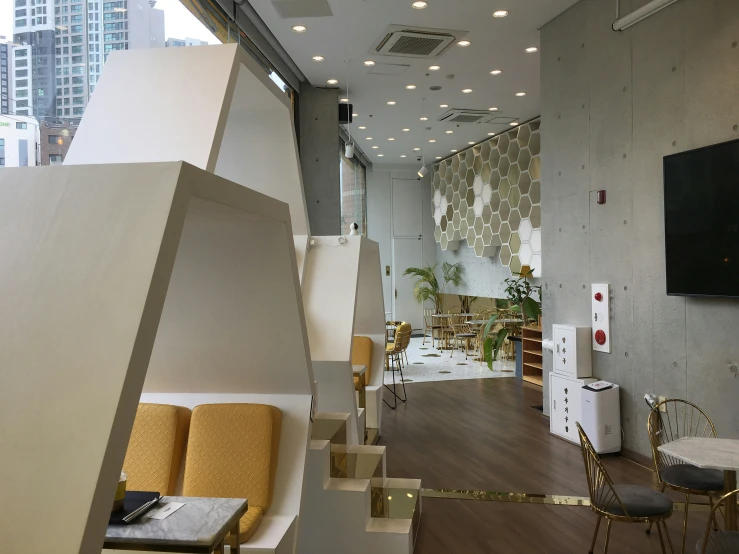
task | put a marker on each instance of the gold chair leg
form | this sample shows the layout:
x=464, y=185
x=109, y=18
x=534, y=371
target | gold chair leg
x=715, y=523
x=649, y=527
x=685, y=522
x=595, y=535
x=661, y=538
x=667, y=535
x=608, y=536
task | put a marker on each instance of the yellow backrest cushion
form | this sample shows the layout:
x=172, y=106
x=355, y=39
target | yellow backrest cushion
x=232, y=452
x=155, y=448
x=362, y=354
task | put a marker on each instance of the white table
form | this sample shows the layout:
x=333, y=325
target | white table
x=708, y=453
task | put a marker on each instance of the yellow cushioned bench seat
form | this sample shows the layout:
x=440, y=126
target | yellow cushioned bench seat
x=232, y=453
x=362, y=355
x=155, y=448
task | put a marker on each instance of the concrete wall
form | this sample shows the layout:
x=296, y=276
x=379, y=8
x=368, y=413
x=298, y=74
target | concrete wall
x=319, y=158
x=613, y=104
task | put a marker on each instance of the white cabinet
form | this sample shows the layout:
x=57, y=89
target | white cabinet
x=565, y=406
x=572, y=350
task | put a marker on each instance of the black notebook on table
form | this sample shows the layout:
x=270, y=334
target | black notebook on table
x=135, y=504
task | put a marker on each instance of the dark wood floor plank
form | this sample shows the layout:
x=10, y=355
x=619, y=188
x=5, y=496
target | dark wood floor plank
x=482, y=434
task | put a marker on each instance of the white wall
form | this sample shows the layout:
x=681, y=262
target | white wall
x=379, y=218
x=12, y=135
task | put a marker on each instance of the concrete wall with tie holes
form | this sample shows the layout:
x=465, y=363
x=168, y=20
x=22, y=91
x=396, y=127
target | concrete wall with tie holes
x=613, y=104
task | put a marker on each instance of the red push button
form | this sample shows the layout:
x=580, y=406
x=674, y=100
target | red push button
x=600, y=337
x=598, y=296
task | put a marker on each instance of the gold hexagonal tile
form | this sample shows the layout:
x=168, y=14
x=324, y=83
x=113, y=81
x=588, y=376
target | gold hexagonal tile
x=444, y=223
x=515, y=265
x=513, y=150
x=442, y=166
x=495, y=223
x=463, y=187
x=514, y=173
x=456, y=218
x=503, y=142
x=449, y=194
x=444, y=241
x=478, y=226
x=487, y=213
x=535, y=192
x=494, y=158
x=495, y=201
x=514, y=220
x=437, y=233
x=437, y=180
x=471, y=237
x=524, y=134
x=524, y=159
x=504, y=166
x=504, y=210
x=514, y=197
x=469, y=157
x=449, y=212
x=486, y=172
x=485, y=150
x=463, y=207
x=515, y=242
x=476, y=149
x=505, y=232
x=479, y=247
x=455, y=183
x=470, y=216
x=495, y=179
x=535, y=168
x=448, y=174
x=470, y=178
x=462, y=168
x=455, y=201
x=470, y=196
x=455, y=164
x=535, y=125
x=442, y=188
x=504, y=188
x=524, y=182
x=524, y=206
x=487, y=235
x=535, y=144
x=505, y=255
x=535, y=217
x=477, y=165
x=462, y=227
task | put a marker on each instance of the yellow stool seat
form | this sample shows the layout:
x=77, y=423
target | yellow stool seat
x=362, y=355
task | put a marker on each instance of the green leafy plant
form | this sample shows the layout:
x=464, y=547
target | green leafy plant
x=466, y=301
x=492, y=344
x=428, y=288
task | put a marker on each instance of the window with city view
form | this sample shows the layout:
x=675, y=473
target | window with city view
x=53, y=53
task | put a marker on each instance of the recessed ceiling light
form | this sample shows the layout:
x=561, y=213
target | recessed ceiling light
x=491, y=134
x=318, y=58
x=438, y=157
x=471, y=142
x=532, y=49
x=493, y=109
x=432, y=140
x=443, y=105
x=434, y=67
x=449, y=132
x=375, y=147
x=391, y=138
x=406, y=130
x=520, y=94
x=369, y=63
x=363, y=127
x=391, y=103
x=513, y=123
x=419, y=5
x=466, y=90
x=369, y=138
x=380, y=155
x=416, y=149
x=496, y=72
x=453, y=150
x=332, y=81
x=410, y=87
x=355, y=115
x=403, y=156
x=343, y=100
x=500, y=13
x=423, y=118
x=300, y=28
x=463, y=43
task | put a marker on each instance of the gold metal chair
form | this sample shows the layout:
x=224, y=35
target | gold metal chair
x=429, y=324
x=626, y=503
x=394, y=355
x=721, y=540
x=671, y=420
x=461, y=332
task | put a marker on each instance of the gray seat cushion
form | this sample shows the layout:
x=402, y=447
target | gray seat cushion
x=722, y=542
x=691, y=477
x=639, y=502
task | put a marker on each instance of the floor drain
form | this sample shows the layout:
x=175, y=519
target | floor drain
x=462, y=363
x=445, y=372
x=431, y=355
x=417, y=363
x=406, y=380
x=506, y=371
x=423, y=348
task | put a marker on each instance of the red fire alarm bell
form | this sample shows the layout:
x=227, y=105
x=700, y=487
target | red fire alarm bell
x=601, y=197
x=598, y=297
x=600, y=337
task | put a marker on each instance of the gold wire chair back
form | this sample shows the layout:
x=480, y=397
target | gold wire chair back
x=719, y=539
x=603, y=496
x=671, y=420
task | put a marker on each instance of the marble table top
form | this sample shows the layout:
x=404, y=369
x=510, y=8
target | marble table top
x=359, y=369
x=704, y=452
x=201, y=523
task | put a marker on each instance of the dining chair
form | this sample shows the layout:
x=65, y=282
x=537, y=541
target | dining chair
x=670, y=420
x=721, y=540
x=624, y=503
x=462, y=334
x=393, y=356
x=429, y=324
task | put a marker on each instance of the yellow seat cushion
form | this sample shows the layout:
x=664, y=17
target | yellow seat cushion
x=249, y=523
x=362, y=355
x=155, y=448
x=232, y=453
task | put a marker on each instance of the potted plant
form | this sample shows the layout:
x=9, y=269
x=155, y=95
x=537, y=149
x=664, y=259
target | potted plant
x=520, y=292
x=428, y=287
x=465, y=303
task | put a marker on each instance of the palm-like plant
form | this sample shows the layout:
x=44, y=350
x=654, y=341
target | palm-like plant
x=427, y=286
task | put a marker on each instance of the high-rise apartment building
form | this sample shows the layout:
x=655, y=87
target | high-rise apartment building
x=60, y=55
x=180, y=42
x=6, y=74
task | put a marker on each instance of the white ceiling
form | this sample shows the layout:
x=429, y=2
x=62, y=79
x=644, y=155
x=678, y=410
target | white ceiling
x=345, y=40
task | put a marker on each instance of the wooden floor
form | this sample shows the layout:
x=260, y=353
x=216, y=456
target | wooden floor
x=482, y=434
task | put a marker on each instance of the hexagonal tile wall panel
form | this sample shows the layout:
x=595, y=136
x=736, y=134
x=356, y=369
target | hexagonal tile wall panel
x=490, y=196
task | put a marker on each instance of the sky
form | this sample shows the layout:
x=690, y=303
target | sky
x=178, y=21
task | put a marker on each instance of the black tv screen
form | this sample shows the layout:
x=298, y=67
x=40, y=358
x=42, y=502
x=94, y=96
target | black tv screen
x=702, y=221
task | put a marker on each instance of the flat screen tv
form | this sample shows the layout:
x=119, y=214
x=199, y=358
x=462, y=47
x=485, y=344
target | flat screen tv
x=702, y=221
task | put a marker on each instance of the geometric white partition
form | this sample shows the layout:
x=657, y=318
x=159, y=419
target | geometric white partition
x=119, y=278
x=211, y=106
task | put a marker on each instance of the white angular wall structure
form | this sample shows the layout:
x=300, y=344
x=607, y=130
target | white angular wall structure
x=130, y=277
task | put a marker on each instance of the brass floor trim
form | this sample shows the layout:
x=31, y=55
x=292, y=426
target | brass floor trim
x=531, y=498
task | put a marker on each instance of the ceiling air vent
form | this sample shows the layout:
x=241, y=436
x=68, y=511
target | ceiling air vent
x=415, y=42
x=461, y=116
